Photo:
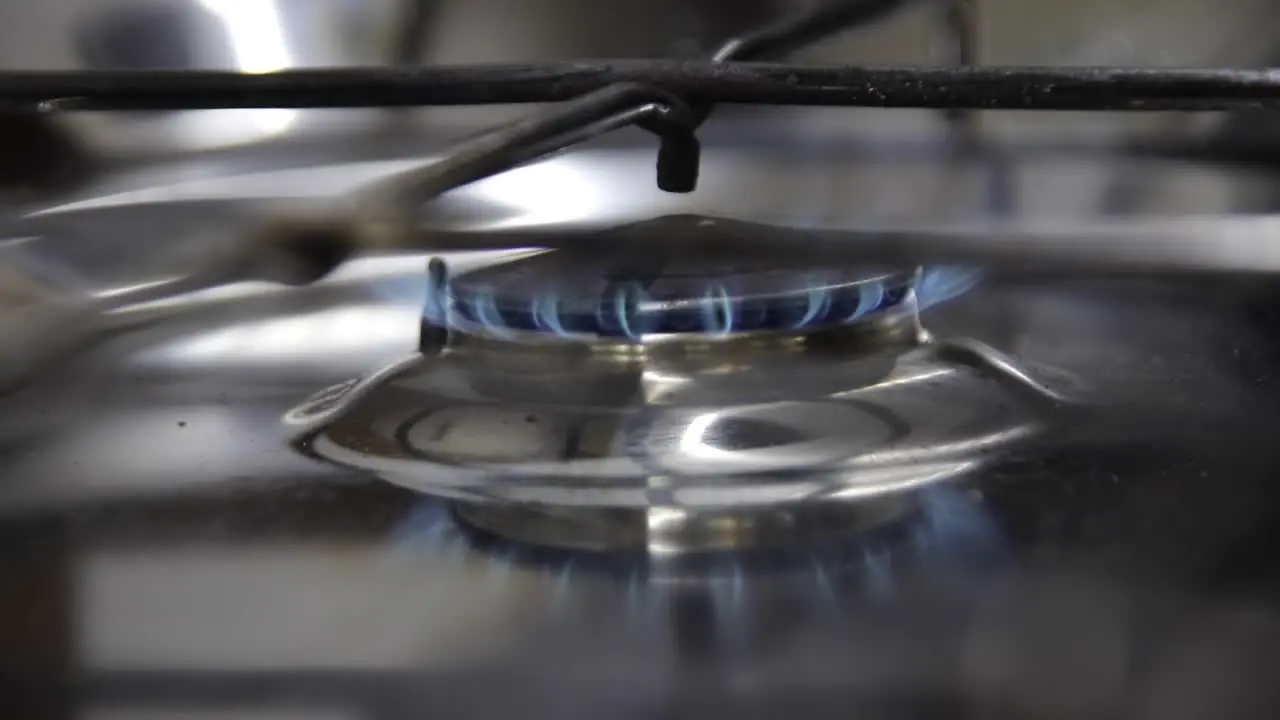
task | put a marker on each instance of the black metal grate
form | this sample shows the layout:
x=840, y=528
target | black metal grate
x=986, y=88
x=669, y=98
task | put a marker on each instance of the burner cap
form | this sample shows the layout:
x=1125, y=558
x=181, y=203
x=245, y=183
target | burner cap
x=662, y=453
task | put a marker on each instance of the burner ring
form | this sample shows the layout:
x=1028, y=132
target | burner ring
x=581, y=440
x=569, y=296
x=895, y=329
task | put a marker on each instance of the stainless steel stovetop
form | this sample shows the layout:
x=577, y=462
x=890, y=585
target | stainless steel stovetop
x=662, y=469
x=167, y=549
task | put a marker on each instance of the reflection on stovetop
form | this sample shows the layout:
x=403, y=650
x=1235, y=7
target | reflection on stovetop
x=354, y=592
x=1123, y=575
x=949, y=537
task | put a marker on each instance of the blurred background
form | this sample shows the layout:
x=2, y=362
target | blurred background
x=161, y=544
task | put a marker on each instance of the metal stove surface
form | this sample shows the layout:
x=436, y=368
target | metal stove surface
x=164, y=553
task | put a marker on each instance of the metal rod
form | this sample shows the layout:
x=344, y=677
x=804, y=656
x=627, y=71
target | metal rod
x=539, y=133
x=961, y=28
x=385, y=211
x=387, y=207
x=1010, y=88
x=777, y=40
x=961, y=19
x=410, y=31
x=979, y=355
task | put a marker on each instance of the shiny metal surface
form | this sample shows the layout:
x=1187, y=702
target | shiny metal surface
x=714, y=427
x=162, y=524
x=164, y=553
x=678, y=423
x=218, y=569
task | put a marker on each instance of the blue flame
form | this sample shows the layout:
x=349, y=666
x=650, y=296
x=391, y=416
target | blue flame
x=435, y=307
x=426, y=524
x=546, y=313
x=870, y=297
x=952, y=539
x=617, y=314
x=819, y=304
x=628, y=310
x=822, y=580
x=939, y=284
x=486, y=310
x=623, y=309
x=879, y=573
x=717, y=311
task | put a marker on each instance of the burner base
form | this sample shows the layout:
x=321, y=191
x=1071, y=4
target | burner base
x=669, y=530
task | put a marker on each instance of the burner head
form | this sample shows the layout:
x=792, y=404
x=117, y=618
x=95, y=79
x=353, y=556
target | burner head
x=663, y=436
x=695, y=287
x=671, y=395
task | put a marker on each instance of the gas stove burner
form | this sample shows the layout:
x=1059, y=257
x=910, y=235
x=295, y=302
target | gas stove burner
x=748, y=406
x=689, y=282
x=671, y=452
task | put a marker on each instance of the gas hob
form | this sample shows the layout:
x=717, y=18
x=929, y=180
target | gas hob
x=981, y=527
x=919, y=423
